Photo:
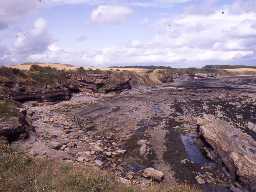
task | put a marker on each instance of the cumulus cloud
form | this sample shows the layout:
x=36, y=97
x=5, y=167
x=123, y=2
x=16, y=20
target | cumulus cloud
x=12, y=10
x=184, y=40
x=110, y=14
x=214, y=34
x=139, y=3
x=36, y=40
x=4, y=55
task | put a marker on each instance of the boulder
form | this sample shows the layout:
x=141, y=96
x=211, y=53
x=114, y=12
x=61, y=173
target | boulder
x=236, y=149
x=153, y=174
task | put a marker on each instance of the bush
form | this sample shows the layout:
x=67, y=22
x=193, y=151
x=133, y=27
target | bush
x=46, y=75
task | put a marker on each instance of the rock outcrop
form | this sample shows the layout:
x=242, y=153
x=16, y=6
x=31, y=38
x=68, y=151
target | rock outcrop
x=153, y=174
x=57, y=94
x=38, y=84
x=236, y=148
x=13, y=123
x=102, y=81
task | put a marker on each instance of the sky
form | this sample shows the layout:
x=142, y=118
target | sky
x=100, y=33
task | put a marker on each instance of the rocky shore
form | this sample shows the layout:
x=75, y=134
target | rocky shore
x=187, y=131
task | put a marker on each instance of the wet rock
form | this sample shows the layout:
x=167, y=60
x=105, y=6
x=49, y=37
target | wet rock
x=82, y=159
x=119, y=152
x=200, y=180
x=108, y=154
x=130, y=175
x=124, y=181
x=63, y=147
x=153, y=174
x=236, y=149
x=143, y=147
x=237, y=188
x=252, y=126
x=55, y=145
x=99, y=163
x=185, y=161
x=97, y=148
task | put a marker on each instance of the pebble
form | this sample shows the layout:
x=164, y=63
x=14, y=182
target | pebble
x=99, y=162
x=200, y=180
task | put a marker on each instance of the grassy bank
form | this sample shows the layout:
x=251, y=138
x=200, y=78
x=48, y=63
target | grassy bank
x=21, y=173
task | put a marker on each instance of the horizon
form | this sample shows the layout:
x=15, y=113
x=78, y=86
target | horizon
x=100, y=33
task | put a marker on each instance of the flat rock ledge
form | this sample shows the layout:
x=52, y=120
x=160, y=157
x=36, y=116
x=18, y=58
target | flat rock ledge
x=153, y=174
x=236, y=148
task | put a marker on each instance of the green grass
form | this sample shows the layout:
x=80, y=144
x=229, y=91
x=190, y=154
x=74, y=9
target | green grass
x=23, y=174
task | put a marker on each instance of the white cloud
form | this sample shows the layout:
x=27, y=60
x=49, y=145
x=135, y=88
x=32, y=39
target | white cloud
x=138, y=3
x=110, y=14
x=12, y=10
x=188, y=38
x=35, y=41
x=184, y=40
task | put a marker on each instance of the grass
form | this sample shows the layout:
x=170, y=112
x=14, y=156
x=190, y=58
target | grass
x=8, y=109
x=21, y=173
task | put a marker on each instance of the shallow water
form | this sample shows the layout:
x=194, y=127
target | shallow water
x=193, y=152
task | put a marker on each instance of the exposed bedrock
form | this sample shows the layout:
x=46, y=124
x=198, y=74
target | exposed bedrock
x=14, y=128
x=236, y=148
x=42, y=95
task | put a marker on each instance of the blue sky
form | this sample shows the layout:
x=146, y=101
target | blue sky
x=180, y=33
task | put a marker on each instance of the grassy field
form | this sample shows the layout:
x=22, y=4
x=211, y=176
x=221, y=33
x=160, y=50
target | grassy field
x=21, y=173
x=56, y=66
x=242, y=70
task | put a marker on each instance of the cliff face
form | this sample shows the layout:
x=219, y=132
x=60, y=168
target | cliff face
x=45, y=83
x=36, y=84
x=13, y=122
x=235, y=148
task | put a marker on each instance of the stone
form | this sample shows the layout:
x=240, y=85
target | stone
x=124, y=181
x=236, y=148
x=142, y=142
x=130, y=175
x=98, y=148
x=108, y=154
x=118, y=152
x=63, y=147
x=82, y=159
x=153, y=174
x=143, y=149
x=185, y=161
x=200, y=180
x=99, y=162
x=55, y=145
x=121, y=151
x=252, y=126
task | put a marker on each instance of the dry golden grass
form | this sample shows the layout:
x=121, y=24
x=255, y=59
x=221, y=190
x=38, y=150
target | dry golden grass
x=242, y=70
x=21, y=173
x=56, y=66
x=137, y=70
